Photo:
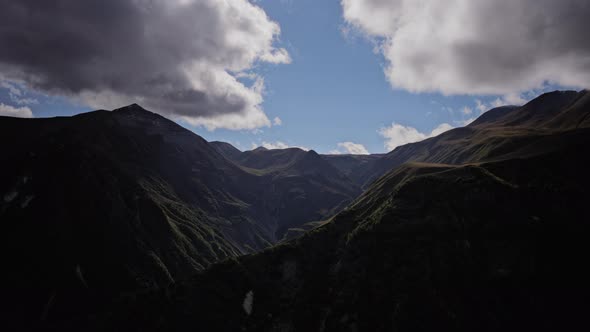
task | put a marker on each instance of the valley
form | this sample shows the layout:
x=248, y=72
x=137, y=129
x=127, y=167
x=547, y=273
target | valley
x=124, y=220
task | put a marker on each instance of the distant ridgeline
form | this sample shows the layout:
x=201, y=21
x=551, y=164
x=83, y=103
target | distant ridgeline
x=114, y=220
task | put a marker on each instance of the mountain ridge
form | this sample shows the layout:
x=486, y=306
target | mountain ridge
x=134, y=201
x=482, y=246
x=492, y=133
x=127, y=203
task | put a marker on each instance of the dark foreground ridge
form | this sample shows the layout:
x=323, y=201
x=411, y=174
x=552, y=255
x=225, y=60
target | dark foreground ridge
x=105, y=203
x=484, y=247
x=482, y=228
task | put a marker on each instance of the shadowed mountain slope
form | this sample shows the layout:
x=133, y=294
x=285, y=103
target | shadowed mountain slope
x=353, y=166
x=495, y=246
x=108, y=202
x=262, y=160
x=481, y=228
x=302, y=183
x=226, y=149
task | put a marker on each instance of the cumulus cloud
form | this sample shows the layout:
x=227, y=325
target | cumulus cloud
x=277, y=121
x=17, y=112
x=480, y=106
x=335, y=151
x=277, y=145
x=397, y=134
x=466, y=110
x=477, y=46
x=182, y=58
x=511, y=99
x=349, y=148
x=17, y=94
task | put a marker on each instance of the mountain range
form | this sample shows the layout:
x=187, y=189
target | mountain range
x=125, y=220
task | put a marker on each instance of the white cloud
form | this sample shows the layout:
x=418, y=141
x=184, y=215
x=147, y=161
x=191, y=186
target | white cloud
x=441, y=128
x=448, y=109
x=16, y=94
x=18, y=112
x=277, y=145
x=350, y=148
x=277, y=56
x=12, y=88
x=477, y=46
x=397, y=135
x=512, y=99
x=466, y=110
x=181, y=58
x=277, y=121
x=272, y=145
x=251, y=120
x=480, y=106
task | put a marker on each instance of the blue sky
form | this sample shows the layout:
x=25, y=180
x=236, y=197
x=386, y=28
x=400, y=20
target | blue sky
x=334, y=90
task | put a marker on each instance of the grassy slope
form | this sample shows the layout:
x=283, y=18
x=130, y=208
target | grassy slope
x=487, y=247
x=504, y=132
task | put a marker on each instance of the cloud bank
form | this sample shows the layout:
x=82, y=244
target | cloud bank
x=277, y=145
x=349, y=148
x=397, y=134
x=477, y=46
x=17, y=112
x=17, y=94
x=181, y=58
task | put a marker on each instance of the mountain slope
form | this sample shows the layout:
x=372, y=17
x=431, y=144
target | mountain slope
x=303, y=186
x=481, y=247
x=266, y=160
x=262, y=160
x=107, y=202
x=226, y=149
x=494, y=134
x=104, y=203
x=353, y=166
x=462, y=246
x=485, y=229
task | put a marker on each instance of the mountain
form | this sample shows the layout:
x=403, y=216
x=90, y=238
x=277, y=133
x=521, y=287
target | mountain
x=107, y=202
x=499, y=245
x=126, y=221
x=104, y=203
x=494, y=135
x=353, y=166
x=226, y=149
x=305, y=187
x=265, y=160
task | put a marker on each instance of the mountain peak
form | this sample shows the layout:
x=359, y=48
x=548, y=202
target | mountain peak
x=554, y=99
x=131, y=108
x=135, y=111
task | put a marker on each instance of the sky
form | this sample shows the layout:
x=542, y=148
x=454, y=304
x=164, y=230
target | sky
x=350, y=76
